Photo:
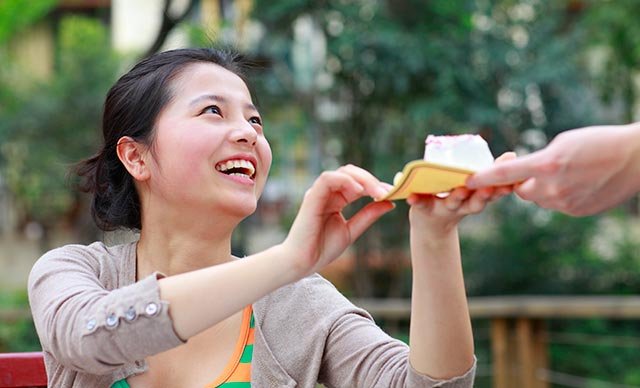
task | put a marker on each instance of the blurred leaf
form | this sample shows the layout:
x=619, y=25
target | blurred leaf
x=56, y=123
x=18, y=336
x=15, y=15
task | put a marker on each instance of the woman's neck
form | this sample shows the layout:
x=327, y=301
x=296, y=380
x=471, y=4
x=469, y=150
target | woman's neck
x=178, y=250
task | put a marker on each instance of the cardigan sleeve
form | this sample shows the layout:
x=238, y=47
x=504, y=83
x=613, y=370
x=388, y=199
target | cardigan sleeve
x=358, y=353
x=88, y=326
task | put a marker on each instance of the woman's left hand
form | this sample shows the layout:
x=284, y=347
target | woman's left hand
x=443, y=213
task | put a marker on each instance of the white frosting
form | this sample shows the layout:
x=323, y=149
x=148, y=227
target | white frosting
x=469, y=152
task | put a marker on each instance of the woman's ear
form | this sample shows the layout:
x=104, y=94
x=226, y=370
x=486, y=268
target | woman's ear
x=131, y=154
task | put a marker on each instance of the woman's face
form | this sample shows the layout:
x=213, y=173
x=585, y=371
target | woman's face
x=209, y=150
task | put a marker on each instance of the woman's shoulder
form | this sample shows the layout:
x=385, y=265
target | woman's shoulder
x=97, y=251
x=95, y=258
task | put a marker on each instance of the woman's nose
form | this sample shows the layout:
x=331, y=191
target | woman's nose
x=244, y=133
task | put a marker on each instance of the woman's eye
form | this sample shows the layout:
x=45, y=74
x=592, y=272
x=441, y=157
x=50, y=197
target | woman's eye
x=255, y=120
x=212, y=109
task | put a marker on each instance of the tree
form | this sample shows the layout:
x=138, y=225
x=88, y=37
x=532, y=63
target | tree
x=393, y=71
x=15, y=15
x=612, y=29
x=169, y=22
x=56, y=123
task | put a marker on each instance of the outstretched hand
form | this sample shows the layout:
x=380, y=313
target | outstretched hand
x=437, y=214
x=581, y=172
x=320, y=232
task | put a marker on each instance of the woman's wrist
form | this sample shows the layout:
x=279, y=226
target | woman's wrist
x=434, y=243
x=433, y=229
x=290, y=266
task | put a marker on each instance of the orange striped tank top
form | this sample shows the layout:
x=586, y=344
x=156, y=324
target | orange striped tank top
x=237, y=373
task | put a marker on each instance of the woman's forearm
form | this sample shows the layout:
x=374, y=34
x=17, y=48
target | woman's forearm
x=440, y=336
x=202, y=298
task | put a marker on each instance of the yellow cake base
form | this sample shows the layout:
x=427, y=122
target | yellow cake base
x=422, y=177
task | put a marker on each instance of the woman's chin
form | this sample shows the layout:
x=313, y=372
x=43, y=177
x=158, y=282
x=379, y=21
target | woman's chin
x=239, y=209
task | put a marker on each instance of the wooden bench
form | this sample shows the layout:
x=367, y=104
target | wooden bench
x=25, y=370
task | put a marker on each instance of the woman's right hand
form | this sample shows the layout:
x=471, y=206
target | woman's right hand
x=320, y=233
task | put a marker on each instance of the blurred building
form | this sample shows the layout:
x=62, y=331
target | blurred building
x=134, y=26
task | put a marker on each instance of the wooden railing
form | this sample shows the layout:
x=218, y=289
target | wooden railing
x=519, y=340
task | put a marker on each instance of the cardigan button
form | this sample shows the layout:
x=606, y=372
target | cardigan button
x=130, y=314
x=152, y=309
x=91, y=324
x=112, y=321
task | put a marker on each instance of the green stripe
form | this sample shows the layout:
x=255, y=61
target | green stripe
x=235, y=385
x=121, y=384
x=247, y=354
x=252, y=323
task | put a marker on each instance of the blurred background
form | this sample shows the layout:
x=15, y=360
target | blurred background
x=362, y=82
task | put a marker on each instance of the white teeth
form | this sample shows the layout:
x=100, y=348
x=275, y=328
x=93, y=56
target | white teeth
x=238, y=163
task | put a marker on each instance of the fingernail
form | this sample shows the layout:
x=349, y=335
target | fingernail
x=381, y=191
x=470, y=183
x=386, y=186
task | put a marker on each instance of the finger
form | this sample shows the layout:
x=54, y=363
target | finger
x=506, y=156
x=366, y=216
x=500, y=192
x=330, y=183
x=504, y=190
x=527, y=190
x=412, y=199
x=477, y=202
x=506, y=172
x=344, y=189
x=373, y=187
x=420, y=200
x=386, y=186
x=456, y=198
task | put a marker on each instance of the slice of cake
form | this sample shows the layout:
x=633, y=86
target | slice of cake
x=469, y=152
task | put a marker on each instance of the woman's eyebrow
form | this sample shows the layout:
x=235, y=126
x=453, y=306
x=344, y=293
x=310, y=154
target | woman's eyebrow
x=207, y=97
x=216, y=98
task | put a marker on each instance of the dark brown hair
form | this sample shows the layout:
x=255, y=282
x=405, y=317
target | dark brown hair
x=130, y=109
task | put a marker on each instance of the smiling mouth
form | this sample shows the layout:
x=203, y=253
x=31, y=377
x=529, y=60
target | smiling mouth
x=238, y=167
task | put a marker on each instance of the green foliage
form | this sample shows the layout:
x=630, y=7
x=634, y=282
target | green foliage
x=608, y=348
x=402, y=69
x=197, y=35
x=528, y=250
x=407, y=68
x=613, y=28
x=55, y=123
x=18, y=336
x=394, y=72
x=15, y=15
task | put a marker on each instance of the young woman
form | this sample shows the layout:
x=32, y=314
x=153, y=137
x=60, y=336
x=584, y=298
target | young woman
x=184, y=160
